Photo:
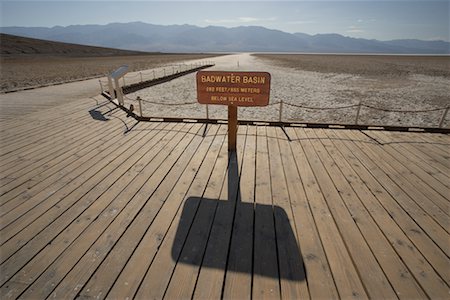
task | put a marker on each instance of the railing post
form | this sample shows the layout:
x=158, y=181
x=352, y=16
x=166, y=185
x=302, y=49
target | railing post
x=140, y=105
x=281, y=110
x=444, y=115
x=207, y=112
x=140, y=73
x=101, y=86
x=357, y=112
x=173, y=70
x=154, y=75
x=164, y=72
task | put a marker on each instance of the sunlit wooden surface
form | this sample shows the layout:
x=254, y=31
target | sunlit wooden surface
x=95, y=205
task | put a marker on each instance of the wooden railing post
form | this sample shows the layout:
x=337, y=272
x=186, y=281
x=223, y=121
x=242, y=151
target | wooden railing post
x=357, y=112
x=444, y=115
x=281, y=111
x=140, y=105
x=101, y=86
x=207, y=112
x=140, y=73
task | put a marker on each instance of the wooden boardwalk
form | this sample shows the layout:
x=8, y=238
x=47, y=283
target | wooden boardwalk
x=95, y=205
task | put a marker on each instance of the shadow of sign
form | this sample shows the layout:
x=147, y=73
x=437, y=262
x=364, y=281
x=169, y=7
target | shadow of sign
x=239, y=236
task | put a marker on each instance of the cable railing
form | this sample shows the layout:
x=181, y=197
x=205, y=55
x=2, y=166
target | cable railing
x=143, y=76
x=281, y=104
x=142, y=79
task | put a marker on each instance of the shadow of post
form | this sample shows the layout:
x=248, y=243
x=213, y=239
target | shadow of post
x=220, y=234
x=97, y=115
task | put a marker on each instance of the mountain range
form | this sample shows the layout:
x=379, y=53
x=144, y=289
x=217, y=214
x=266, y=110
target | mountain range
x=188, y=38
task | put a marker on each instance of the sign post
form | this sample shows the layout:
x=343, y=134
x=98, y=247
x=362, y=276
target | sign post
x=232, y=127
x=116, y=75
x=233, y=89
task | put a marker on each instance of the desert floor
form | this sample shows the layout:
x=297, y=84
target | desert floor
x=323, y=82
x=22, y=71
x=322, y=85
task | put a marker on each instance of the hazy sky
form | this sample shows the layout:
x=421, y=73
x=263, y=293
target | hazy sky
x=382, y=20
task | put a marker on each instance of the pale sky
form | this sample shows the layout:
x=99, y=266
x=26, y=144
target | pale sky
x=382, y=20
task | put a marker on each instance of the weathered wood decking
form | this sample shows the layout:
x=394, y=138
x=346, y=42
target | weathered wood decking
x=95, y=205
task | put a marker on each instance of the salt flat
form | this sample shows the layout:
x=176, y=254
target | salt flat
x=315, y=89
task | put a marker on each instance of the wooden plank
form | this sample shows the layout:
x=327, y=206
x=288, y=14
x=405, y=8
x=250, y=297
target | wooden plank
x=265, y=266
x=36, y=142
x=59, y=268
x=436, y=151
x=207, y=184
x=19, y=128
x=292, y=274
x=395, y=171
x=19, y=146
x=61, y=163
x=59, y=217
x=110, y=269
x=417, y=157
x=36, y=183
x=338, y=197
x=438, y=143
x=344, y=273
x=238, y=277
x=35, y=171
x=62, y=187
x=365, y=211
x=52, y=129
x=431, y=187
x=87, y=185
x=20, y=125
x=437, y=158
x=406, y=219
x=319, y=277
x=213, y=268
x=206, y=239
x=136, y=211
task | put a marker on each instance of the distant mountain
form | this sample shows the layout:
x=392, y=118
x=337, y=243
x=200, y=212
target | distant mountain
x=187, y=38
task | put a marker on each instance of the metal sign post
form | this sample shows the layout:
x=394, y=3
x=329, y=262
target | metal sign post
x=233, y=89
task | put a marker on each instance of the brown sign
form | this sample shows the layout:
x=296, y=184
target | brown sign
x=233, y=88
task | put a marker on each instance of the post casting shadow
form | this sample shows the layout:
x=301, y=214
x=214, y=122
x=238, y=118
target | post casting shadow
x=235, y=235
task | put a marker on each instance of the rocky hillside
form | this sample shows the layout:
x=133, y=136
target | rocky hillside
x=11, y=45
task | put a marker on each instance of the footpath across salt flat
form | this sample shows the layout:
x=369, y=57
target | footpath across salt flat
x=15, y=105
